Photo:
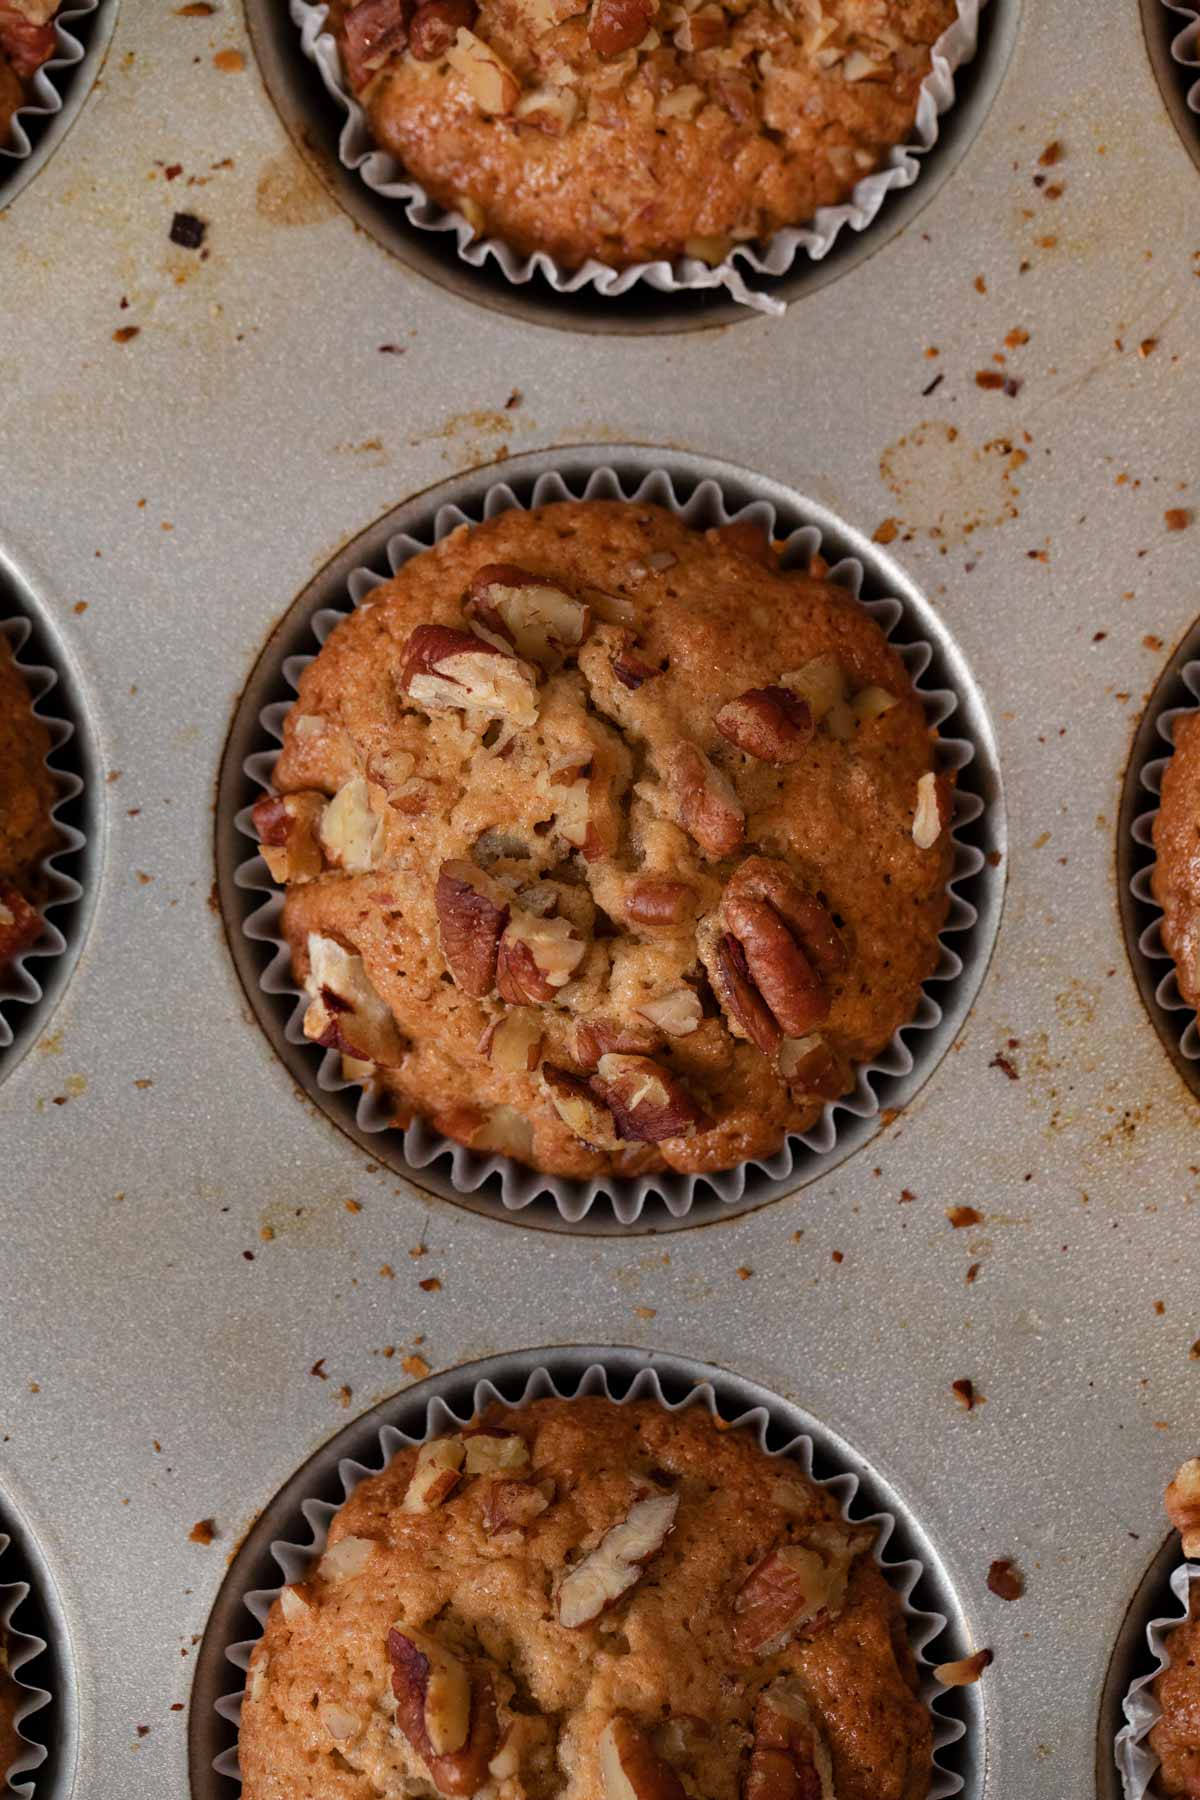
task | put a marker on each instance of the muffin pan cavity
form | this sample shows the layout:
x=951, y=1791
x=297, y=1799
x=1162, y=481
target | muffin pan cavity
x=1177, y=691
x=315, y=121
x=31, y=986
x=292, y=1527
x=705, y=493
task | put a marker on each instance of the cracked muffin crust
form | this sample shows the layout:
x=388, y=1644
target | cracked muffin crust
x=27, y=40
x=608, y=844
x=596, y=1601
x=631, y=130
x=27, y=833
x=1176, y=878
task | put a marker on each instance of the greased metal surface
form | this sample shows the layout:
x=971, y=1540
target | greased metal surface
x=257, y=420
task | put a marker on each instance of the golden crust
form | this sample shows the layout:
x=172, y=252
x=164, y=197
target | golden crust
x=666, y=1648
x=666, y=146
x=717, y=622
x=1176, y=878
x=1175, y=1739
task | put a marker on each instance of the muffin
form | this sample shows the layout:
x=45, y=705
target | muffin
x=1175, y=881
x=27, y=796
x=27, y=40
x=608, y=844
x=633, y=130
x=607, y=1602
x=1175, y=1739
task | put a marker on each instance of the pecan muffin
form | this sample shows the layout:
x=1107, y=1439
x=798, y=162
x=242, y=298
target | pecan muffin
x=26, y=799
x=607, y=1602
x=1175, y=1739
x=608, y=844
x=1176, y=878
x=27, y=40
x=631, y=130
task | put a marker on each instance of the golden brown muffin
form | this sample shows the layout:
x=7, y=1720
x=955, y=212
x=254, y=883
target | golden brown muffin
x=637, y=898
x=639, y=129
x=1176, y=878
x=592, y=1601
x=26, y=797
x=1175, y=1739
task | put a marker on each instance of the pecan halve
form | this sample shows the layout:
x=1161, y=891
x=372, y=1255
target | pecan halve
x=791, y=988
x=705, y=803
x=646, y=1100
x=770, y=723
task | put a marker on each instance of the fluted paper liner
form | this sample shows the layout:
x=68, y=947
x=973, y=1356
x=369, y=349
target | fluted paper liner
x=22, y=1648
x=1184, y=25
x=48, y=85
x=520, y=1185
x=1135, y=1759
x=295, y=1558
x=1150, y=942
x=384, y=175
x=19, y=986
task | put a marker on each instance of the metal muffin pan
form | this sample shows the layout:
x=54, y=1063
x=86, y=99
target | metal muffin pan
x=255, y=414
x=980, y=833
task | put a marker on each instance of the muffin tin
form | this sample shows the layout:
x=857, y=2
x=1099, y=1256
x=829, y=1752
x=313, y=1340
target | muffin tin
x=178, y=1249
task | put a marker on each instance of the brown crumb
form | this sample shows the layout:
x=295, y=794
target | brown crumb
x=962, y=1216
x=744, y=1273
x=1017, y=336
x=345, y=1394
x=886, y=532
x=645, y=1312
x=989, y=378
x=387, y=1271
x=416, y=1366
x=229, y=61
x=964, y=1392
x=418, y=1250
x=972, y=1272
x=965, y=1672
x=1194, y=1352
x=980, y=285
x=1147, y=347
x=1051, y=154
x=430, y=1285
x=1005, y=1580
x=1177, y=518
x=195, y=9
x=837, y=1256
x=203, y=1532
x=353, y=1206
x=125, y=334
x=1007, y=1066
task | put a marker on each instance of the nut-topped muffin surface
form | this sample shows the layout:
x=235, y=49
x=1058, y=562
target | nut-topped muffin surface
x=1176, y=878
x=609, y=845
x=630, y=130
x=27, y=831
x=1175, y=1739
x=582, y=1599
x=27, y=41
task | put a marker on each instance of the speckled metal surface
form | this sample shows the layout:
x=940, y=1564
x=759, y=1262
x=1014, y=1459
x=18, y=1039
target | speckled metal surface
x=184, y=485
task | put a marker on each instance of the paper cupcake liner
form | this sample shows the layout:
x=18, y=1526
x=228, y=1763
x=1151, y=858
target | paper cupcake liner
x=18, y=984
x=520, y=1186
x=22, y=1648
x=384, y=175
x=1135, y=1760
x=1184, y=24
x=294, y=1557
x=48, y=84
x=1150, y=942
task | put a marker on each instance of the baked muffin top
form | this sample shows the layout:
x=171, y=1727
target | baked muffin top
x=1175, y=1738
x=27, y=796
x=631, y=130
x=1176, y=878
x=637, y=897
x=27, y=40
x=595, y=1601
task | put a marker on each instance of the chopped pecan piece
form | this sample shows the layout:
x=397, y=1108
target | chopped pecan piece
x=618, y=25
x=652, y=901
x=435, y=26
x=797, y=1586
x=536, y=957
x=579, y=1108
x=463, y=1714
x=705, y=803
x=345, y=1012
x=443, y=668
x=617, y=1561
x=678, y=1012
x=351, y=833
x=514, y=1043
x=509, y=1503
x=965, y=1672
x=790, y=1760
x=515, y=610
x=491, y=1450
x=647, y=1102
x=374, y=30
x=486, y=76
x=934, y=809
x=594, y=1038
x=436, y=1475
x=287, y=827
x=630, y=1766
x=770, y=723
x=809, y=1064
x=472, y=912
x=1182, y=1500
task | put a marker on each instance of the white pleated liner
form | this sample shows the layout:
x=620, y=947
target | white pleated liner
x=520, y=1185
x=294, y=1559
x=48, y=83
x=1134, y=1757
x=1150, y=943
x=22, y=1648
x=1185, y=46
x=17, y=983
x=384, y=175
